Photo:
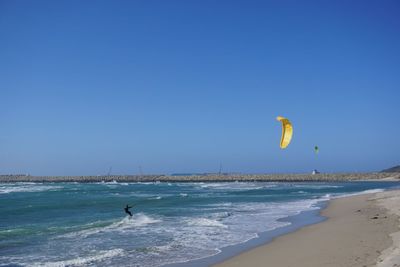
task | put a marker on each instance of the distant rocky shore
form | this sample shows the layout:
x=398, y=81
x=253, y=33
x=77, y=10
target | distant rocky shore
x=205, y=178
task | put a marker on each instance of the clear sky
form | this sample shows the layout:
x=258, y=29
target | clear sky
x=184, y=86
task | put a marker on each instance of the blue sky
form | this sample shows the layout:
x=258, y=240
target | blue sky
x=184, y=86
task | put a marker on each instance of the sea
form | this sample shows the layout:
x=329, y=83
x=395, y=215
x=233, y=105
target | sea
x=173, y=224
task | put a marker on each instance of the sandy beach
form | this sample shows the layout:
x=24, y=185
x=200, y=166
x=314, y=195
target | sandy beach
x=360, y=230
x=198, y=224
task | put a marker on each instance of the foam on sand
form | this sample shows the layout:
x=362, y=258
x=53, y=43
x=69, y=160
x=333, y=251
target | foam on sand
x=358, y=227
x=370, y=191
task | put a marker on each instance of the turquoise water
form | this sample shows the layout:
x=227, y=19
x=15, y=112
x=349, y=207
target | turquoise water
x=76, y=224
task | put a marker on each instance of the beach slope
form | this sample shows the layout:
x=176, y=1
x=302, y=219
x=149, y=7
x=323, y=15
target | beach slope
x=360, y=231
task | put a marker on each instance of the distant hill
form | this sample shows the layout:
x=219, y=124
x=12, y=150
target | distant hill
x=393, y=169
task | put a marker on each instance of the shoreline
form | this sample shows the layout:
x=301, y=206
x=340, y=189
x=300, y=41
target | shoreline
x=330, y=177
x=297, y=222
x=360, y=230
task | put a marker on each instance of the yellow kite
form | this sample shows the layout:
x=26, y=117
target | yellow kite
x=287, y=132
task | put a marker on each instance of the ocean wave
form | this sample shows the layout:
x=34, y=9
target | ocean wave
x=239, y=223
x=155, y=198
x=316, y=186
x=83, y=261
x=27, y=188
x=12, y=233
x=200, y=226
x=137, y=220
x=205, y=222
x=237, y=186
x=148, y=195
x=112, y=183
x=370, y=191
x=218, y=205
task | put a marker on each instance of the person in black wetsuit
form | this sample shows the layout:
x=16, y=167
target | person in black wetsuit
x=127, y=210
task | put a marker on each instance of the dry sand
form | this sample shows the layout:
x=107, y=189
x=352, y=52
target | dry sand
x=391, y=201
x=360, y=231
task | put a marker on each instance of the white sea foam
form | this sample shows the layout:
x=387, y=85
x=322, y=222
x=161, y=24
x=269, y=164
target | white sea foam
x=27, y=188
x=224, y=204
x=189, y=231
x=237, y=186
x=205, y=222
x=112, y=183
x=315, y=186
x=137, y=220
x=241, y=223
x=157, y=197
x=84, y=261
x=370, y=191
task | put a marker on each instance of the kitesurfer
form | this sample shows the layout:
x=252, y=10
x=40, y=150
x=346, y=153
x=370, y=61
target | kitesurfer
x=127, y=210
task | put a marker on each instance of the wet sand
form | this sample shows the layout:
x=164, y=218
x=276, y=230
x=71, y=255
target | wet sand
x=360, y=231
